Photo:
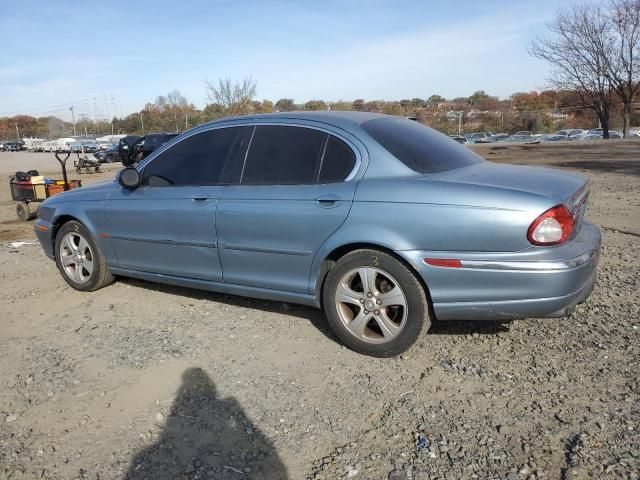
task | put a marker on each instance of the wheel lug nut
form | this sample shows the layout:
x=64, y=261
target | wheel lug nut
x=362, y=300
x=369, y=295
x=377, y=312
x=366, y=312
x=378, y=301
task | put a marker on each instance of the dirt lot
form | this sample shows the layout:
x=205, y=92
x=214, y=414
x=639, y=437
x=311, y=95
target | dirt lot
x=140, y=380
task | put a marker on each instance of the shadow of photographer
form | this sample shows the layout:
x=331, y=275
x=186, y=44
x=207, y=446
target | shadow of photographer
x=207, y=437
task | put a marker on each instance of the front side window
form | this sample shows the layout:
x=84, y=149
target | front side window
x=283, y=155
x=201, y=159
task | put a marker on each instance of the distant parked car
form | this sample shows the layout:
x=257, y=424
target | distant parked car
x=571, y=132
x=552, y=137
x=12, y=146
x=109, y=155
x=590, y=137
x=88, y=147
x=384, y=223
x=524, y=133
x=482, y=137
x=519, y=138
x=460, y=139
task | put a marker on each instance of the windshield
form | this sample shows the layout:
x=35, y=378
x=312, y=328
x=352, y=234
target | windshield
x=420, y=148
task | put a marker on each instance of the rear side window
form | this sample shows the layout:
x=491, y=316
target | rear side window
x=337, y=162
x=201, y=159
x=283, y=155
x=420, y=148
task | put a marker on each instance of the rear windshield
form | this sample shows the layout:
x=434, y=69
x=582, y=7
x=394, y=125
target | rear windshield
x=420, y=148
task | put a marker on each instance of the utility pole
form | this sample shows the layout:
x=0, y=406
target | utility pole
x=186, y=126
x=73, y=118
x=17, y=132
x=84, y=122
x=460, y=123
x=110, y=112
x=93, y=117
x=142, y=123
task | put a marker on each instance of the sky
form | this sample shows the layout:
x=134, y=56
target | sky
x=61, y=53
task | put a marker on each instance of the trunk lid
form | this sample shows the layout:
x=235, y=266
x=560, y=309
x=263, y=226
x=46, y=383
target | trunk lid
x=570, y=189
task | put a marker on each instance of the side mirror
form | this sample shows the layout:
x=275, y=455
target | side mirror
x=129, y=178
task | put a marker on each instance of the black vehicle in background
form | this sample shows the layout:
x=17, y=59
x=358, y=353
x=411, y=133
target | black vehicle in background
x=133, y=149
x=13, y=146
x=109, y=155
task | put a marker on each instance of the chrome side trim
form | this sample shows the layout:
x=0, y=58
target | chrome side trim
x=249, y=248
x=164, y=241
x=532, y=266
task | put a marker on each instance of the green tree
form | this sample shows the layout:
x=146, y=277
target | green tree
x=358, y=104
x=315, y=105
x=285, y=105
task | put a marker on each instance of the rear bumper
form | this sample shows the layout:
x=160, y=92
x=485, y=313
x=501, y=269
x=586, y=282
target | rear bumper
x=538, y=282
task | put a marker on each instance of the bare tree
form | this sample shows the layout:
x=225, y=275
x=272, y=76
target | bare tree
x=579, y=50
x=235, y=97
x=624, y=56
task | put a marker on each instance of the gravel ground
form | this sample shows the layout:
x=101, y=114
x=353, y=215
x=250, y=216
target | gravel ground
x=140, y=380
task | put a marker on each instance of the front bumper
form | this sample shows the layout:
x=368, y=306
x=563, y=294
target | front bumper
x=44, y=232
x=538, y=282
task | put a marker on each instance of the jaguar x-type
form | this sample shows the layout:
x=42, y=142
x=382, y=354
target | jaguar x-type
x=383, y=223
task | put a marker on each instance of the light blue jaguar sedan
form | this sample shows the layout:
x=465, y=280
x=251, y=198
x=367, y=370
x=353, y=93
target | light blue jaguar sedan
x=383, y=223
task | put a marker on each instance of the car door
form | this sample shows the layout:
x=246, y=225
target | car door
x=290, y=198
x=168, y=224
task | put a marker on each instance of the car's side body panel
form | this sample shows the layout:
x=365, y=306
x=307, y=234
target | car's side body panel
x=269, y=235
x=167, y=230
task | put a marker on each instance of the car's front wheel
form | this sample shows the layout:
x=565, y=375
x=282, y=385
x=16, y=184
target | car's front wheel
x=374, y=303
x=80, y=261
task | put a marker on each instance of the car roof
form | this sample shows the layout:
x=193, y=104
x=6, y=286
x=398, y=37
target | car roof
x=332, y=117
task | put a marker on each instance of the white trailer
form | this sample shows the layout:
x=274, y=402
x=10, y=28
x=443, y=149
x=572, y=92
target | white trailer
x=33, y=144
x=64, y=144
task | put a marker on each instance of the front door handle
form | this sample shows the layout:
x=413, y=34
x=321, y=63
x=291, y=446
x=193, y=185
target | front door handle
x=327, y=201
x=200, y=199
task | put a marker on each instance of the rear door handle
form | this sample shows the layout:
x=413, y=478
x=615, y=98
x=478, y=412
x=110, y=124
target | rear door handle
x=327, y=201
x=201, y=198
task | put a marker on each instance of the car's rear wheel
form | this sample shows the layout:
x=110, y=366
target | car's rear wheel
x=80, y=261
x=374, y=303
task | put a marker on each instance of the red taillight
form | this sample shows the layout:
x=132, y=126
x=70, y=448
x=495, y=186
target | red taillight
x=552, y=227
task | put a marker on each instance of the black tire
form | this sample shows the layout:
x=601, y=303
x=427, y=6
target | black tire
x=417, y=304
x=24, y=212
x=100, y=275
x=108, y=159
x=78, y=170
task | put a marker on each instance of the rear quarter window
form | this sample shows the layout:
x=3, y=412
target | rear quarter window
x=420, y=148
x=338, y=161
